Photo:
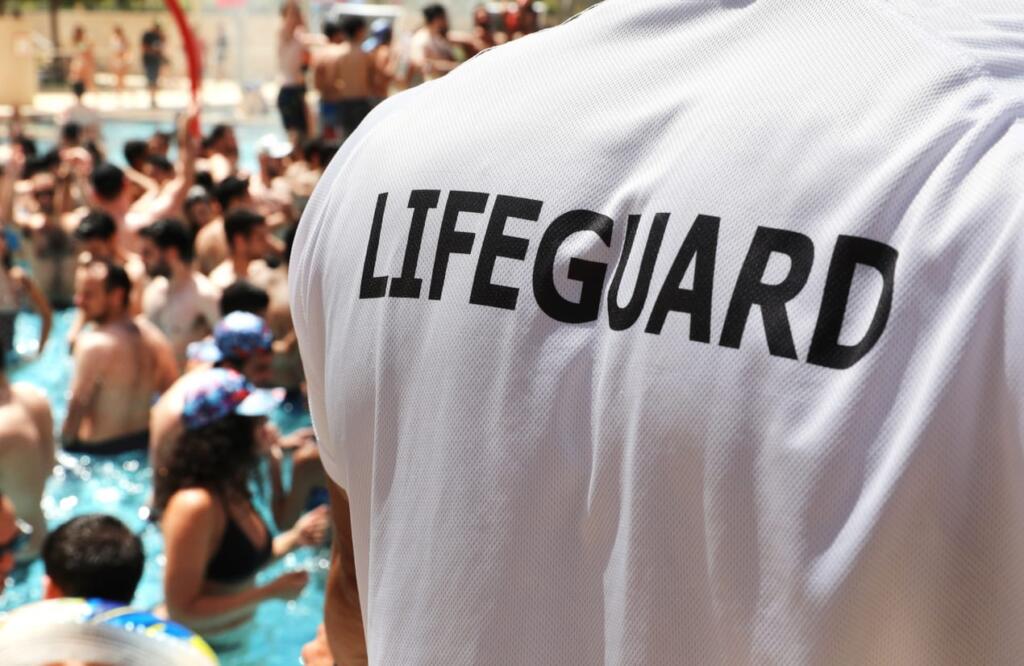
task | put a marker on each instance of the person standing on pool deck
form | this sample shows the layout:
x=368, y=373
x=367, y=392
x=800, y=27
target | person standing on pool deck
x=121, y=365
x=293, y=60
x=153, y=59
x=702, y=346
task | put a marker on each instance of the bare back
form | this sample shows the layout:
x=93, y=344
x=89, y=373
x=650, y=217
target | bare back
x=26, y=454
x=119, y=369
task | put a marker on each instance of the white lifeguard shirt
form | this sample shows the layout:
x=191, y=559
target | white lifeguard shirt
x=794, y=431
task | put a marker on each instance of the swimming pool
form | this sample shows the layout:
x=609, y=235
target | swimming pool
x=120, y=486
x=118, y=131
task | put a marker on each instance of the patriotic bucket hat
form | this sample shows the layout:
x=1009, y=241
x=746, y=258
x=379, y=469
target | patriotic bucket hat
x=218, y=392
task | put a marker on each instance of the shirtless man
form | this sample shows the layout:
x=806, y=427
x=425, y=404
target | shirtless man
x=181, y=301
x=119, y=366
x=110, y=191
x=232, y=193
x=343, y=74
x=97, y=236
x=430, y=50
x=243, y=342
x=248, y=242
x=48, y=234
x=26, y=455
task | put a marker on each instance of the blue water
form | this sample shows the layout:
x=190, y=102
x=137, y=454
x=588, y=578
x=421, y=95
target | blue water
x=116, y=132
x=121, y=485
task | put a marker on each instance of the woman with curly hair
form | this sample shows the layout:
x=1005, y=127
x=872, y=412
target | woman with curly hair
x=215, y=540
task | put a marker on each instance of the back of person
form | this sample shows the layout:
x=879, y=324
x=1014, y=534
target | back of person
x=718, y=357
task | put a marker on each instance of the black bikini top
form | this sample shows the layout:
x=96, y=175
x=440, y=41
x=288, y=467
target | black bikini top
x=237, y=559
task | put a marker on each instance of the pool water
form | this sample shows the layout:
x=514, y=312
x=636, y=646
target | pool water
x=116, y=132
x=121, y=485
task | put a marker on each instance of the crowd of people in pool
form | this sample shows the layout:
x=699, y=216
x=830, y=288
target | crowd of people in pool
x=175, y=265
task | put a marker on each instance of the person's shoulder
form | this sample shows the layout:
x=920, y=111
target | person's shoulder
x=95, y=341
x=194, y=505
x=31, y=396
x=205, y=287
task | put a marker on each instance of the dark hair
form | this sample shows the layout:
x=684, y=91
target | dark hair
x=328, y=149
x=289, y=242
x=219, y=457
x=97, y=225
x=116, y=278
x=352, y=25
x=218, y=132
x=241, y=222
x=28, y=145
x=431, y=12
x=135, y=152
x=78, y=88
x=94, y=556
x=169, y=233
x=71, y=132
x=229, y=189
x=107, y=181
x=331, y=28
x=166, y=137
x=160, y=162
x=205, y=179
x=243, y=296
x=311, y=147
x=36, y=164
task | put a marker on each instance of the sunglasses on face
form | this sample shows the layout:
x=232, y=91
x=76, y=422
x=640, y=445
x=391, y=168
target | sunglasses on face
x=22, y=533
x=39, y=194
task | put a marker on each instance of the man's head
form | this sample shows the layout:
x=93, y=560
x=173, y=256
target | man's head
x=108, y=186
x=165, y=245
x=199, y=207
x=96, y=232
x=159, y=143
x=354, y=28
x=233, y=193
x=92, y=556
x=101, y=291
x=78, y=90
x=160, y=169
x=44, y=190
x=244, y=296
x=247, y=234
x=11, y=537
x=70, y=135
x=135, y=154
x=481, y=17
x=222, y=140
x=272, y=155
x=436, y=18
x=333, y=31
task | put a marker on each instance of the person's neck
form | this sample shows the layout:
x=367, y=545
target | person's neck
x=181, y=274
x=118, y=317
x=241, y=265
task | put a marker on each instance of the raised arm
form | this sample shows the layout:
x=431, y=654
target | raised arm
x=39, y=303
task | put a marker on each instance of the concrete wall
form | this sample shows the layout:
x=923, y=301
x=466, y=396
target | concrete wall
x=18, y=73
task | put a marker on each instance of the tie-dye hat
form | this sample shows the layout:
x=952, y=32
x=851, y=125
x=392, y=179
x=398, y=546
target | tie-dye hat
x=237, y=337
x=215, y=393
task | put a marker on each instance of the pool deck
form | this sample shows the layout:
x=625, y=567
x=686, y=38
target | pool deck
x=173, y=97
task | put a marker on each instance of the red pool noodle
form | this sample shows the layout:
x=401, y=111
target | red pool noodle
x=192, y=55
